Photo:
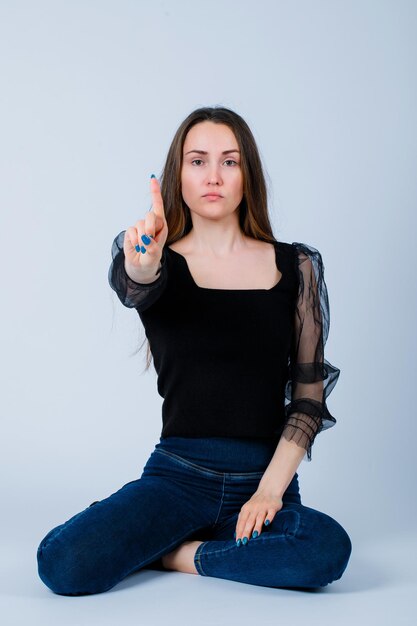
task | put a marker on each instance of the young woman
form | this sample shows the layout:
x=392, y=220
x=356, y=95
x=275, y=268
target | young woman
x=237, y=323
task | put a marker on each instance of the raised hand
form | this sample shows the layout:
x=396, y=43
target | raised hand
x=144, y=242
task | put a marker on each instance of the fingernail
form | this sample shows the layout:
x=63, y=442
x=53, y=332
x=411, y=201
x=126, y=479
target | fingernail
x=153, y=176
x=254, y=534
x=245, y=541
x=143, y=249
x=266, y=522
x=137, y=248
x=146, y=239
x=238, y=542
x=234, y=535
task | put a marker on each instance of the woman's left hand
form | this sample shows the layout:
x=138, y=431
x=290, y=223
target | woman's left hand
x=263, y=506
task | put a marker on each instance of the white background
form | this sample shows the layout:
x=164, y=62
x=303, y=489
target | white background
x=91, y=95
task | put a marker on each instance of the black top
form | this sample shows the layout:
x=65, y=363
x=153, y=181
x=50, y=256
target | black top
x=237, y=362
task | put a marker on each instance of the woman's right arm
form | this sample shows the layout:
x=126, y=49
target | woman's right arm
x=138, y=272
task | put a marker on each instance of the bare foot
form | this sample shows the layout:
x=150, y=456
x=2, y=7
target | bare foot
x=182, y=558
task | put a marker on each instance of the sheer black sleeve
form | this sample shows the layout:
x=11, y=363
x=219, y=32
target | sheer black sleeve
x=311, y=377
x=132, y=294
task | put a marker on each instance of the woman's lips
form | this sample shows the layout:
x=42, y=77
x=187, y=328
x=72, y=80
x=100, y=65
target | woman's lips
x=212, y=197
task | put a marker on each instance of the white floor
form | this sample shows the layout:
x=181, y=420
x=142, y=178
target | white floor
x=379, y=587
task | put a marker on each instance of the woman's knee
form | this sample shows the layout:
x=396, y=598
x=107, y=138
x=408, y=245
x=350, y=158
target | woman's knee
x=330, y=545
x=57, y=566
x=66, y=566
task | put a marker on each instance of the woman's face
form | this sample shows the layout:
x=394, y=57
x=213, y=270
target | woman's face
x=206, y=169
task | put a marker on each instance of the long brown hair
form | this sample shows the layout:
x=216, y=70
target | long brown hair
x=253, y=209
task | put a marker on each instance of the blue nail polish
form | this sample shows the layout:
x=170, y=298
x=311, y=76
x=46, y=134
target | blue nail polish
x=238, y=542
x=137, y=248
x=245, y=541
x=254, y=534
x=153, y=176
x=266, y=522
x=146, y=239
x=234, y=534
x=143, y=249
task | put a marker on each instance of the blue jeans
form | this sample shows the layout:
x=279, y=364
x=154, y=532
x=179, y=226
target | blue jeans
x=193, y=489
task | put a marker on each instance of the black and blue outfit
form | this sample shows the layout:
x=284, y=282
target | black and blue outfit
x=237, y=369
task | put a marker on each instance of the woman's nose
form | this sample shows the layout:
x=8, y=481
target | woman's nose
x=214, y=177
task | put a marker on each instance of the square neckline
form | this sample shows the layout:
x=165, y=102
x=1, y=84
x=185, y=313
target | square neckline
x=219, y=289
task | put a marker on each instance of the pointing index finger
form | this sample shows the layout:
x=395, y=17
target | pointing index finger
x=157, y=202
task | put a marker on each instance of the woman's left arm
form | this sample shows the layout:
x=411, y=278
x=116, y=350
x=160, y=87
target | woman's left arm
x=311, y=380
x=267, y=500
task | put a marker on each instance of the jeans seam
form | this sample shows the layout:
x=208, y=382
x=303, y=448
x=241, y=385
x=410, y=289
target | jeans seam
x=266, y=537
x=55, y=532
x=221, y=502
x=205, y=470
x=197, y=560
x=199, y=549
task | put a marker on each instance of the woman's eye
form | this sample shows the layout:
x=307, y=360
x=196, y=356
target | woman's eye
x=195, y=160
x=231, y=161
